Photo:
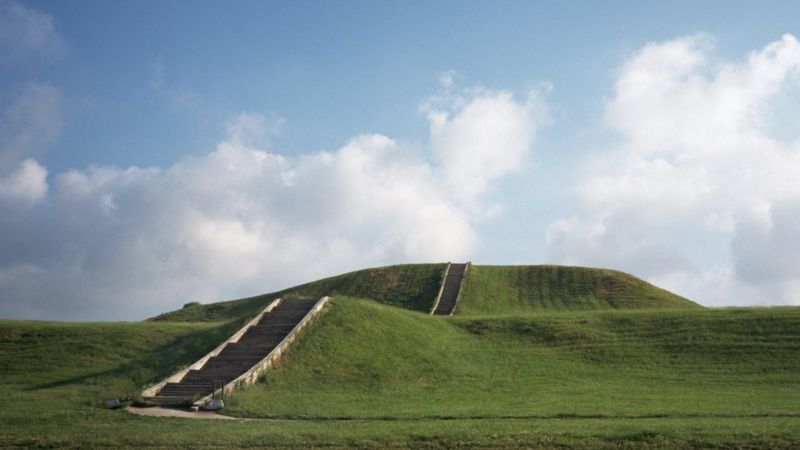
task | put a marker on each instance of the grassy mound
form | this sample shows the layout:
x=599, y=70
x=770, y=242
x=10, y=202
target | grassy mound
x=411, y=286
x=365, y=360
x=488, y=290
x=519, y=289
x=602, y=379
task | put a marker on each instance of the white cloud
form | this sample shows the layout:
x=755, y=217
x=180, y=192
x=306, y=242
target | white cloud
x=28, y=184
x=175, y=97
x=766, y=248
x=27, y=32
x=447, y=79
x=481, y=135
x=125, y=243
x=29, y=124
x=697, y=159
x=253, y=130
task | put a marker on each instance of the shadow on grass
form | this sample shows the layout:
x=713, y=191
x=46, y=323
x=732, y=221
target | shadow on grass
x=157, y=364
x=299, y=418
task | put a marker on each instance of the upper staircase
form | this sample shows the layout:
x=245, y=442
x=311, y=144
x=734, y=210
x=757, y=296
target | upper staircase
x=255, y=343
x=451, y=288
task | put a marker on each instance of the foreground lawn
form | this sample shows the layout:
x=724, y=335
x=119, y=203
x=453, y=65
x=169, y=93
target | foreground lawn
x=365, y=360
x=116, y=429
x=370, y=375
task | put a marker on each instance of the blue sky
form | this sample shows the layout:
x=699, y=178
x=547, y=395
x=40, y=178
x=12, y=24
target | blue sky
x=340, y=68
x=153, y=153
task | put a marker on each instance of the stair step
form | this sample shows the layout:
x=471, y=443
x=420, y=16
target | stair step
x=261, y=346
x=244, y=353
x=181, y=388
x=185, y=392
x=231, y=359
x=238, y=357
x=271, y=328
x=172, y=400
x=450, y=290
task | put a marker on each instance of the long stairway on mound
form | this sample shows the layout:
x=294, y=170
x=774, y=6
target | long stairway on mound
x=238, y=357
x=452, y=287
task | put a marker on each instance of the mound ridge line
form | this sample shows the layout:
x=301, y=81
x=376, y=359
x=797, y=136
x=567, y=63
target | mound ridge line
x=485, y=290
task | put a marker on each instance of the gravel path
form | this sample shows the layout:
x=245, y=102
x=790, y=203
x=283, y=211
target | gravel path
x=170, y=412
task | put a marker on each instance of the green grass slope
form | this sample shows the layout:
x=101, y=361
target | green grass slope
x=411, y=286
x=519, y=289
x=121, y=357
x=365, y=360
x=584, y=379
x=488, y=290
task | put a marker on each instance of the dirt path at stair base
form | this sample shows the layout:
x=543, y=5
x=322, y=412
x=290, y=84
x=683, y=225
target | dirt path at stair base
x=170, y=412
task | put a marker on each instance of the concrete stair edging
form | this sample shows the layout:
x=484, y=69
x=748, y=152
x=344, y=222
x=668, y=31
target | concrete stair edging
x=153, y=390
x=441, y=289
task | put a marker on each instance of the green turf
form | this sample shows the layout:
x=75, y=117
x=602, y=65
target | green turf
x=488, y=289
x=121, y=357
x=412, y=286
x=538, y=357
x=368, y=361
x=411, y=376
x=521, y=289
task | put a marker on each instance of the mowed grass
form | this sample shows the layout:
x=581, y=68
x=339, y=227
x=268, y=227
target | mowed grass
x=522, y=289
x=411, y=286
x=414, y=380
x=365, y=360
x=537, y=357
x=488, y=290
x=104, y=359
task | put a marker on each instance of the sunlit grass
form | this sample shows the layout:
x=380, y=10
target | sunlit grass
x=506, y=372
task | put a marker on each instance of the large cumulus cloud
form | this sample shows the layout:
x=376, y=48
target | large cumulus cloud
x=701, y=164
x=124, y=243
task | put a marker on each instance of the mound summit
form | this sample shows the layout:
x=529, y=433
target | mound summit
x=487, y=290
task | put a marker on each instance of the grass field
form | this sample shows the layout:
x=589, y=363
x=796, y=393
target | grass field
x=383, y=374
x=370, y=361
x=522, y=289
x=411, y=286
